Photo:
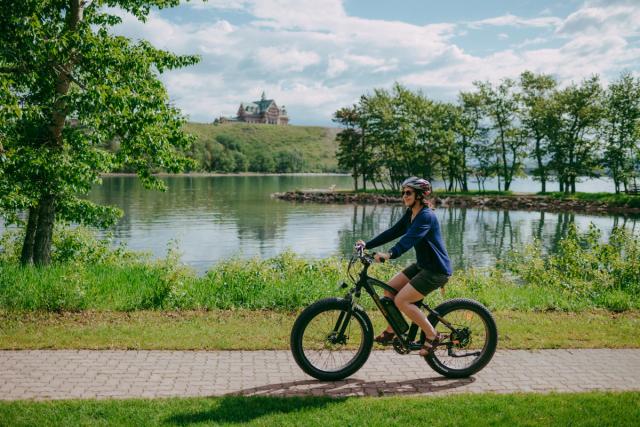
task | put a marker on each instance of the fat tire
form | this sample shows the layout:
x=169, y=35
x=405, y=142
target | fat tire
x=297, y=333
x=492, y=337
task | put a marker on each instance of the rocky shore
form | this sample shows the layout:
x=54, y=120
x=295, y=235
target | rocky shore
x=512, y=202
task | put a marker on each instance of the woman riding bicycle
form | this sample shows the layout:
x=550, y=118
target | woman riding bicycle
x=420, y=229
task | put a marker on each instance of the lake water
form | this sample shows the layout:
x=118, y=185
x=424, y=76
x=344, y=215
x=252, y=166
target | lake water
x=214, y=218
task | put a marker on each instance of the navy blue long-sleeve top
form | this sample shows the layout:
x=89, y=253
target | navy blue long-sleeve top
x=423, y=233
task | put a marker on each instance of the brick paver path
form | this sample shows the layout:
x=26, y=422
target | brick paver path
x=63, y=374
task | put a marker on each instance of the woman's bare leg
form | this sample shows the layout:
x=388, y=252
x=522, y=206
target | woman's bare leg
x=404, y=301
x=397, y=282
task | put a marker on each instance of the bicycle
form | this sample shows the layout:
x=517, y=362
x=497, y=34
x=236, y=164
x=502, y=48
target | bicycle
x=332, y=338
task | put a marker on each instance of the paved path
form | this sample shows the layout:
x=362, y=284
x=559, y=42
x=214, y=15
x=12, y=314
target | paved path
x=64, y=374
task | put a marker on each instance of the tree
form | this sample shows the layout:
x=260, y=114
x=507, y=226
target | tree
x=469, y=130
x=350, y=141
x=289, y=161
x=536, y=119
x=262, y=162
x=501, y=106
x=440, y=143
x=485, y=167
x=576, y=148
x=388, y=131
x=619, y=130
x=69, y=87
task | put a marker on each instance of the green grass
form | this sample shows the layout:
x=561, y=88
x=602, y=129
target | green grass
x=282, y=283
x=269, y=330
x=575, y=409
x=287, y=282
x=583, y=274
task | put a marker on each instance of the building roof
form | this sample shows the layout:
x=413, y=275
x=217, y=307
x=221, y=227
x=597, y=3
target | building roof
x=257, y=106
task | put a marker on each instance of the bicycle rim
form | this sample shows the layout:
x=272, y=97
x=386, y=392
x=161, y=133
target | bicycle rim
x=468, y=344
x=325, y=348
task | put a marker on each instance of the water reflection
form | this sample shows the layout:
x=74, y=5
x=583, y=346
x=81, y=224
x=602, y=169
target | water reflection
x=478, y=237
x=215, y=218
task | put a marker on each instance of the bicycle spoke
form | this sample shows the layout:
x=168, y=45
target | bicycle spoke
x=323, y=345
x=467, y=342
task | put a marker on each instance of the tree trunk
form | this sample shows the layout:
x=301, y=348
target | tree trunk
x=45, y=217
x=26, y=257
x=363, y=159
x=541, y=168
x=44, y=231
x=465, y=178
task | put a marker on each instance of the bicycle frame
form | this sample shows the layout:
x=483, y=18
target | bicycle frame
x=407, y=341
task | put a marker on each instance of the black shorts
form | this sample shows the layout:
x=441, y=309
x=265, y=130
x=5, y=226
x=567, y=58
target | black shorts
x=424, y=281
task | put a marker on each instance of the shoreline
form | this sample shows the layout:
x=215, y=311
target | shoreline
x=527, y=202
x=207, y=174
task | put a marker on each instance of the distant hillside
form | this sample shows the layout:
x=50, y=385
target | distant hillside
x=263, y=148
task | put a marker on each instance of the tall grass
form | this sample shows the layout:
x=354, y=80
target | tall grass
x=585, y=273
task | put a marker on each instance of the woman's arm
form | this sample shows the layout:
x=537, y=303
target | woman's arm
x=393, y=233
x=419, y=228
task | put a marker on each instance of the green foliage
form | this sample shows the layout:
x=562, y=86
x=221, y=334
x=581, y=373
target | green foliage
x=585, y=268
x=585, y=273
x=351, y=144
x=69, y=90
x=620, y=129
x=244, y=147
x=575, y=146
x=78, y=245
x=538, y=119
x=622, y=200
x=501, y=105
x=492, y=131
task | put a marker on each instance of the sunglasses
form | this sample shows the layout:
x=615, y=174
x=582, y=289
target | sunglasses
x=408, y=193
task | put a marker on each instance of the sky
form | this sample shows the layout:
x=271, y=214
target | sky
x=316, y=56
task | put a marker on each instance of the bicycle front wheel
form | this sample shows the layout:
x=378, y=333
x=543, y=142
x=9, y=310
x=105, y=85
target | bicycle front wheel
x=330, y=340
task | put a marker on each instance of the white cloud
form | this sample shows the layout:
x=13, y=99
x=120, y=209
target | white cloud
x=286, y=60
x=315, y=58
x=510, y=20
x=336, y=67
x=621, y=20
x=219, y=4
x=531, y=42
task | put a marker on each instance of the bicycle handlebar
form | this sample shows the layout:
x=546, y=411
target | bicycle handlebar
x=370, y=259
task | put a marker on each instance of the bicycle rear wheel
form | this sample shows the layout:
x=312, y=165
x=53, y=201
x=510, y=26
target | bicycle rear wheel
x=330, y=340
x=471, y=344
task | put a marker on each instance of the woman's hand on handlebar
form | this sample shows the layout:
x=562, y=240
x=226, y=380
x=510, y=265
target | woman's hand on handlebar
x=360, y=243
x=382, y=257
